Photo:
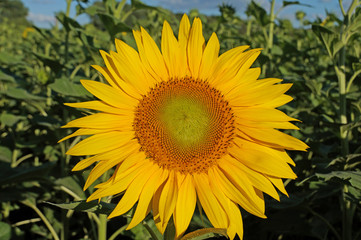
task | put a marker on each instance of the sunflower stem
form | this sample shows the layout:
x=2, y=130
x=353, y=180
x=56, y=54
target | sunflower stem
x=102, y=225
x=347, y=207
x=270, y=34
x=43, y=218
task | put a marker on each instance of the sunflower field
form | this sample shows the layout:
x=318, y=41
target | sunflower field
x=41, y=80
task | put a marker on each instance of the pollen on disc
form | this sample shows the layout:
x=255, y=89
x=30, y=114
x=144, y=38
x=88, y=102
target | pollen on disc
x=184, y=124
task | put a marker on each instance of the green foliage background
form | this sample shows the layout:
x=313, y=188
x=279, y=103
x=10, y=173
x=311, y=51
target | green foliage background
x=40, y=70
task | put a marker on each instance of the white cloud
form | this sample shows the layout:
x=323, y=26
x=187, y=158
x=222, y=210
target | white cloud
x=41, y=18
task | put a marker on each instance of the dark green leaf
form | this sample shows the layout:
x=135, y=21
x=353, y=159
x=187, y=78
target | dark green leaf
x=258, y=12
x=113, y=25
x=5, y=231
x=67, y=22
x=139, y=5
x=21, y=174
x=5, y=154
x=67, y=88
x=83, y=206
x=10, y=119
x=54, y=64
x=6, y=77
x=356, y=66
x=20, y=93
x=353, y=177
x=329, y=38
x=286, y=3
x=8, y=59
x=71, y=184
x=205, y=233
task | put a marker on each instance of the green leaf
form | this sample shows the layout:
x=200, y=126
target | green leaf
x=83, y=206
x=258, y=12
x=205, y=233
x=67, y=22
x=355, y=23
x=329, y=38
x=286, y=3
x=6, y=77
x=356, y=66
x=8, y=59
x=113, y=25
x=5, y=154
x=139, y=5
x=353, y=177
x=5, y=231
x=22, y=174
x=54, y=64
x=71, y=184
x=68, y=88
x=10, y=119
x=20, y=93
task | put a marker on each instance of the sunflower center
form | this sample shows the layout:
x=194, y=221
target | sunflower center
x=186, y=120
x=184, y=125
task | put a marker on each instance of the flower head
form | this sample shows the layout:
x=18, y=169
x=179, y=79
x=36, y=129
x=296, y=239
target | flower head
x=183, y=125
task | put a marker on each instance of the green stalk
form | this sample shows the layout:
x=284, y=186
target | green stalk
x=102, y=225
x=42, y=216
x=270, y=34
x=347, y=207
x=341, y=74
x=68, y=4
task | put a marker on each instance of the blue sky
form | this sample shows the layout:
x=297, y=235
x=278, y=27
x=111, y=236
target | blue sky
x=41, y=12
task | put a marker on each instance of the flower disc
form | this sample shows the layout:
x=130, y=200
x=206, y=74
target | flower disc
x=184, y=125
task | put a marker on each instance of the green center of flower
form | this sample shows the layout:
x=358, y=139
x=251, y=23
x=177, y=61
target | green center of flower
x=184, y=125
x=186, y=120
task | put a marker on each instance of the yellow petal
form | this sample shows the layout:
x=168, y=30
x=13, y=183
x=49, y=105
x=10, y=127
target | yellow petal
x=210, y=56
x=151, y=56
x=274, y=138
x=167, y=201
x=99, y=106
x=133, y=63
x=118, y=83
x=110, y=95
x=133, y=192
x=256, y=96
x=277, y=101
x=278, y=184
x=100, y=143
x=248, y=198
x=103, y=121
x=184, y=29
x=195, y=47
x=183, y=35
x=114, y=187
x=262, y=114
x=170, y=51
x=107, y=163
x=232, y=210
x=253, y=124
x=260, y=159
x=99, y=157
x=144, y=204
x=83, y=132
x=258, y=180
x=235, y=219
x=185, y=206
x=215, y=213
x=225, y=62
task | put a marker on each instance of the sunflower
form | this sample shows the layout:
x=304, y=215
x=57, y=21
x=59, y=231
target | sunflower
x=183, y=126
